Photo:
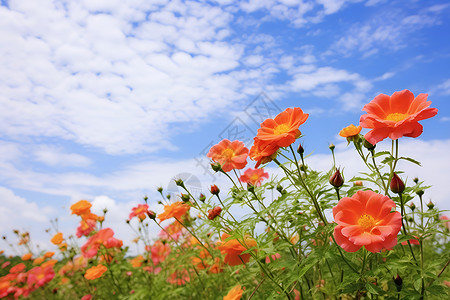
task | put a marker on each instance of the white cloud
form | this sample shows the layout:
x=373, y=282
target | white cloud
x=113, y=80
x=54, y=156
x=18, y=213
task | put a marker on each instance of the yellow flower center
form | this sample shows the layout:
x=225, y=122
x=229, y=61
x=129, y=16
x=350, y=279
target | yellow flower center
x=396, y=117
x=280, y=129
x=367, y=222
x=228, y=153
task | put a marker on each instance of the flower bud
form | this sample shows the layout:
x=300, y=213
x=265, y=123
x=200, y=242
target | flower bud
x=397, y=185
x=416, y=180
x=214, y=189
x=145, y=198
x=332, y=146
x=216, y=167
x=303, y=167
x=185, y=197
x=202, y=197
x=412, y=206
x=179, y=182
x=300, y=149
x=430, y=205
x=213, y=213
x=358, y=183
x=160, y=189
x=250, y=188
x=368, y=145
x=151, y=214
x=398, y=282
x=336, y=179
x=168, y=196
x=419, y=193
x=280, y=188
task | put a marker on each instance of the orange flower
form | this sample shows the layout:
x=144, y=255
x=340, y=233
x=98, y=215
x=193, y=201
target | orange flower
x=350, y=131
x=49, y=254
x=27, y=256
x=174, y=210
x=95, y=272
x=38, y=260
x=253, y=176
x=57, y=238
x=262, y=153
x=137, y=261
x=81, y=207
x=63, y=247
x=283, y=130
x=230, y=155
x=234, y=294
x=50, y=263
x=396, y=116
x=366, y=220
x=233, y=250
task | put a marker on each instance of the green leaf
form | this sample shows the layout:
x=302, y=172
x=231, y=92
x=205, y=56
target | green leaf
x=411, y=160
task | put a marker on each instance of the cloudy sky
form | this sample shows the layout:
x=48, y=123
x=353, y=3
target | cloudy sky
x=105, y=99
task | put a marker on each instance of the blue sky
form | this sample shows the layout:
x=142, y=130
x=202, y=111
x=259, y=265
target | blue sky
x=106, y=99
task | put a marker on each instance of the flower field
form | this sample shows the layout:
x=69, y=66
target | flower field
x=324, y=237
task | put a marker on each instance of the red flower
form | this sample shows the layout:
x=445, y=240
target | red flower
x=103, y=237
x=139, y=211
x=396, y=116
x=230, y=155
x=254, y=176
x=261, y=152
x=366, y=220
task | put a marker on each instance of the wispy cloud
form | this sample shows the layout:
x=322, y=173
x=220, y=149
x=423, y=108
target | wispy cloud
x=390, y=29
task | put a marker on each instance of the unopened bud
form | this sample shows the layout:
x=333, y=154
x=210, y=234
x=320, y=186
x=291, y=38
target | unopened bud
x=202, y=198
x=105, y=210
x=151, y=214
x=420, y=193
x=214, y=189
x=280, y=188
x=412, y=206
x=160, y=189
x=397, y=185
x=398, y=282
x=145, y=198
x=300, y=149
x=179, y=182
x=185, y=197
x=368, y=145
x=336, y=179
x=303, y=167
x=127, y=221
x=216, y=167
x=332, y=146
x=358, y=183
x=213, y=213
x=430, y=205
x=416, y=180
x=251, y=188
x=168, y=196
